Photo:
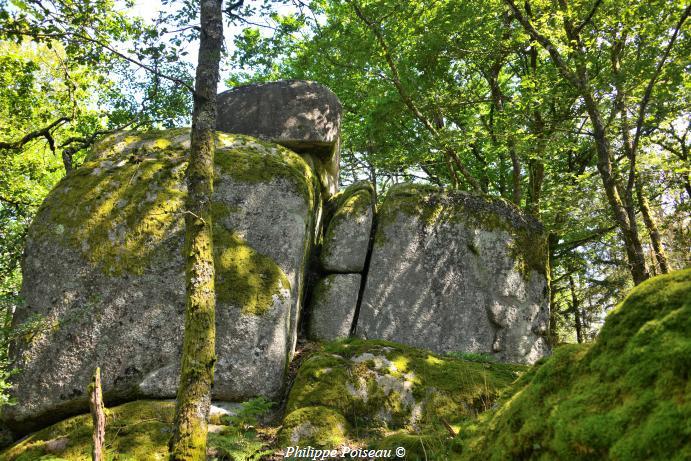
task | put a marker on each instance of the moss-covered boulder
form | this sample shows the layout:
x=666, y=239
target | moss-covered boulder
x=453, y=271
x=347, y=234
x=625, y=397
x=371, y=390
x=315, y=426
x=104, y=274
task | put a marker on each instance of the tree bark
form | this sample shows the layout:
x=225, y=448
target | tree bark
x=98, y=417
x=576, y=311
x=651, y=225
x=198, y=351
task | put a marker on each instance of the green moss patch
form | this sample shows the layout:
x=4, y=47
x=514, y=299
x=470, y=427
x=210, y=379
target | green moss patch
x=253, y=161
x=135, y=431
x=116, y=212
x=245, y=278
x=381, y=387
x=315, y=426
x=346, y=205
x=626, y=397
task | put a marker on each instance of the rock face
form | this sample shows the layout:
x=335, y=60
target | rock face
x=303, y=116
x=104, y=274
x=346, y=239
x=457, y=272
x=333, y=306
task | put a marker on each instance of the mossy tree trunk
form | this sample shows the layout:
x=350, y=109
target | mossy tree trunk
x=198, y=351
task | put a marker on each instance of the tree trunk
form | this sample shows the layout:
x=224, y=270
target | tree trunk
x=579, y=80
x=198, y=351
x=515, y=174
x=650, y=224
x=98, y=417
x=627, y=226
x=576, y=311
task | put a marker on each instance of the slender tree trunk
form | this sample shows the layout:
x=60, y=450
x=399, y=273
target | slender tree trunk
x=651, y=225
x=553, y=239
x=627, y=226
x=576, y=311
x=515, y=174
x=98, y=417
x=198, y=351
x=536, y=170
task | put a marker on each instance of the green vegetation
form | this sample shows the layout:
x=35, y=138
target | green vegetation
x=241, y=439
x=351, y=202
x=316, y=426
x=245, y=278
x=625, y=397
x=251, y=160
x=134, y=431
x=140, y=430
x=381, y=388
x=462, y=95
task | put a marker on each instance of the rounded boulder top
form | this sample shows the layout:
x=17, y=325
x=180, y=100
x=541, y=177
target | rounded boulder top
x=301, y=115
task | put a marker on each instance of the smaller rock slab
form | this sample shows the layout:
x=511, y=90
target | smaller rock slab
x=347, y=236
x=333, y=306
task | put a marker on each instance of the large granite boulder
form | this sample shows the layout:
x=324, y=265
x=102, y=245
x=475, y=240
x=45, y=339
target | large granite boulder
x=452, y=271
x=333, y=305
x=104, y=274
x=347, y=235
x=303, y=116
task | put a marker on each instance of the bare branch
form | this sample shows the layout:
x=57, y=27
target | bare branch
x=44, y=132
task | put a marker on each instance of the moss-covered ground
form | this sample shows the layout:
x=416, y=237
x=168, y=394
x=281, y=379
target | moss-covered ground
x=140, y=430
x=378, y=391
x=134, y=431
x=625, y=397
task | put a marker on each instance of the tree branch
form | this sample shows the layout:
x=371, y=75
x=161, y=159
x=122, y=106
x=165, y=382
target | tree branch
x=653, y=79
x=588, y=18
x=407, y=100
x=44, y=132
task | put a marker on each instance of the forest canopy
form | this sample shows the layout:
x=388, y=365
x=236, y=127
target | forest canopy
x=576, y=112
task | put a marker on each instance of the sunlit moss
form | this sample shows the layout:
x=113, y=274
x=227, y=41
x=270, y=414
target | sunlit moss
x=379, y=386
x=623, y=398
x=134, y=431
x=315, y=426
x=350, y=203
x=123, y=208
x=245, y=278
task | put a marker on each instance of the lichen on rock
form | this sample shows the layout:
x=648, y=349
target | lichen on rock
x=381, y=388
x=453, y=271
x=348, y=226
x=104, y=267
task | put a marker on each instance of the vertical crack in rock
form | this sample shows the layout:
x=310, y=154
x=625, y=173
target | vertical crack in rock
x=365, y=269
